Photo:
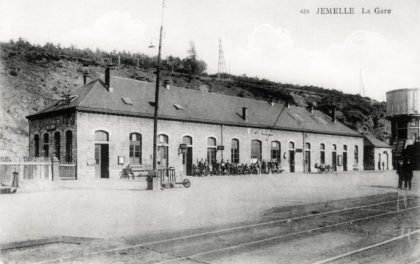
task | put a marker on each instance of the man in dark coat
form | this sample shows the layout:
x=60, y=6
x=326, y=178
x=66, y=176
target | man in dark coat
x=400, y=173
x=408, y=173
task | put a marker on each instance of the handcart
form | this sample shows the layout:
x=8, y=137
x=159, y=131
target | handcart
x=169, y=180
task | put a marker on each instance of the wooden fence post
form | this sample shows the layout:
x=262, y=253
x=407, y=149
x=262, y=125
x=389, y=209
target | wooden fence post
x=22, y=168
x=55, y=169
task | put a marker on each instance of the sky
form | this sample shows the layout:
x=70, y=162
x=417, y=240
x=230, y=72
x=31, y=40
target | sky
x=270, y=39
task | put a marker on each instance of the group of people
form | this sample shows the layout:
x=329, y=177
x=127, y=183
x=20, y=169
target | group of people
x=204, y=168
x=405, y=173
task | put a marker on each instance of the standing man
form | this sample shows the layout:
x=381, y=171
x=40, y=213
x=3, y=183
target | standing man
x=400, y=173
x=408, y=173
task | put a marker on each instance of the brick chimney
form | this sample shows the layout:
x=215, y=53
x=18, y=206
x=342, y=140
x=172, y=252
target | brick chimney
x=334, y=114
x=108, y=77
x=245, y=113
x=85, y=75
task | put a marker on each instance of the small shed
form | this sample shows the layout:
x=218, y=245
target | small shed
x=378, y=154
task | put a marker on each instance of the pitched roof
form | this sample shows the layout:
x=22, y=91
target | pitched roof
x=195, y=106
x=370, y=140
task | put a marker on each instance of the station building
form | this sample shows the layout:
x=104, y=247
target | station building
x=106, y=125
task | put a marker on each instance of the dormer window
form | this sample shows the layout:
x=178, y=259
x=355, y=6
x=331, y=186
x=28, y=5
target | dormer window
x=178, y=107
x=127, y=100
x=66, y=99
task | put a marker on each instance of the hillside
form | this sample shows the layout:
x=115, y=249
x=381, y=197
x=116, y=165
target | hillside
x=32, y=76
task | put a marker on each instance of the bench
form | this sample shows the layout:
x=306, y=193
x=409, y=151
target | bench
x=133, y=171
x=277, y=170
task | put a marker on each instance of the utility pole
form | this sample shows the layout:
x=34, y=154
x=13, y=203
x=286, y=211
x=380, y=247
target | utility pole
x=222, y=64
x=361, y=84
x=155, y=117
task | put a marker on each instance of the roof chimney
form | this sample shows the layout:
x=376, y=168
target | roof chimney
x=107, y=77
x=245, y=113
x=334, y=114
x=287, y=104
x=85, y=75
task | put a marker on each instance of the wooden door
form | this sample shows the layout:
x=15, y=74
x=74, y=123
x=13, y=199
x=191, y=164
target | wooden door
x=188, y=161
x=101, y=161
x=292, y=160
x=104, y=161
x=97, y=161
x=334, y=161
x=345, y=161
x=307, y=161
x=163, y=162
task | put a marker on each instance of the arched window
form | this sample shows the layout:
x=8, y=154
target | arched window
x=356, y=154
x=69, y=146
x=275, y=152
x=334, y=147
x=211, y=141
x=135, y=148
x=36, y=145
x=291, y=145
x=46, y=145
x=322, y=153
x=211, y=150
x=234, y=152
x=187, y=140
x=163, y=139
x=256, y=149
x=101, y=136
x=307, y=146
x=344, y=147
x=57, y=145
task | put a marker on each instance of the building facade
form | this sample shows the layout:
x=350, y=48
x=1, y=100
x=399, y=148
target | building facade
x=378, y=154
x=111, y=126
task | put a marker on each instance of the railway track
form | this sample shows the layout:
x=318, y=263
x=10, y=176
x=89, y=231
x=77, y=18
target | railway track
x=195, y=247
x=371, y=247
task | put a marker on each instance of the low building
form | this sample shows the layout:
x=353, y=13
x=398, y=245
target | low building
x=378, y=154
x=106, y=125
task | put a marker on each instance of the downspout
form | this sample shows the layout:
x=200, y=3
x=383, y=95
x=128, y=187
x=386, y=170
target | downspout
x=303, y=151
x=221, y=139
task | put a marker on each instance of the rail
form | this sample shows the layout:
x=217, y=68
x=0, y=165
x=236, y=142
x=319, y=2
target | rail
x=254, y=242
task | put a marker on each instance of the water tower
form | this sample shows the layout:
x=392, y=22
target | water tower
x=403, y=110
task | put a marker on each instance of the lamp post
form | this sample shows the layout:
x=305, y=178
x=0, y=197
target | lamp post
x=155, y=116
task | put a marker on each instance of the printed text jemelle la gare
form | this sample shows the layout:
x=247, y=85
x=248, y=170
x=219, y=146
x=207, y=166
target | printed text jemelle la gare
x=347, y=11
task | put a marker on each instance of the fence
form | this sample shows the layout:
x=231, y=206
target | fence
x=67, y=171
x=29, y=168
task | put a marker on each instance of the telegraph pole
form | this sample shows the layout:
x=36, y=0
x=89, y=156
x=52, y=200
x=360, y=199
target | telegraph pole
x=155, y=116
x=221, y=68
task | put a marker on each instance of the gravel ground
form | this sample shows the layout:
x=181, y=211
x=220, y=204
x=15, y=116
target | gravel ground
x=114, y=209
